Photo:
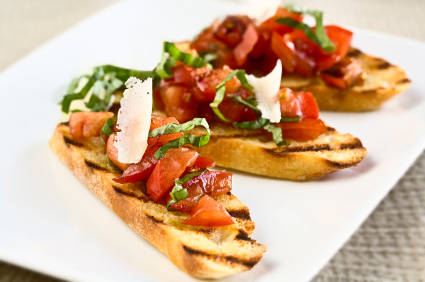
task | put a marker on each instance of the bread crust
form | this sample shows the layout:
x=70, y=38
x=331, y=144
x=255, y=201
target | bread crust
x=202, y=252
x=382, y=81
x=253, y=152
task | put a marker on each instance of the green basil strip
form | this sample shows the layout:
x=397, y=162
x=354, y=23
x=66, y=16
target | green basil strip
x=163, y=70
x=107, y=78
x=247, y=103
x=266, y=125
x=220, y=90
x=290, y=119
x=179, y=193
x=255, y=124
x=276, y=132
x=108, y=127
x=318, y=36
x=187, y=138
x=175, y=128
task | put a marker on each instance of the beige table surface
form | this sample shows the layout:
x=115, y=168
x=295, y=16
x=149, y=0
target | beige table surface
x=390, y=245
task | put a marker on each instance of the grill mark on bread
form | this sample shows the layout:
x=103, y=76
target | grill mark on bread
x=94, y=166
x=231, y=259
x=129, y=194
x=155, y=220
x=64, y=123
x=356, y=144
x=354, y=53
x=403, y=81
x=341, y=165
x=242, y=235
x=71, y=142
x=384, y=65
x=241, y=213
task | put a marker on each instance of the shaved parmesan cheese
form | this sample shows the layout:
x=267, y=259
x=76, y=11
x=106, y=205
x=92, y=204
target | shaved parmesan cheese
x=134, y=120
x=261, y=12
x=266, y=89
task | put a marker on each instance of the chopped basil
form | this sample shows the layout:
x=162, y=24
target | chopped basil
x=104, y=80
x=266, y=125
x=290, y=119
x=276, y=132
x=220, y=90
x=318, y=35
x=108, y=127
x=179, y=193
x=170, y=55
x=250, y=103
x=187, y=138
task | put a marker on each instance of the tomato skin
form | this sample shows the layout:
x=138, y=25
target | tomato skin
x=210, y=183
x=343, y=74
x=142, y=170
x=271, y=24
x=342, y=40
x=249, y=39
x=236, y=112
x=171, y=166
x=303, y=130
x=158, y=121
x=177, y=102
x=208, y=212
x=231, y=30
x=206, y=84
x=87, y=124
x=301, y=104
x=112, y=152
x=204, y=162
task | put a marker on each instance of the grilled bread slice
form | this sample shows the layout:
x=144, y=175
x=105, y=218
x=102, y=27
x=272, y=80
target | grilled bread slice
x=252, y=151
x=382, y=81
x=202, y=252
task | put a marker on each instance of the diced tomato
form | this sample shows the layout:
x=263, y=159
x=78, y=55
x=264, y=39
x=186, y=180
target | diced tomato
x=203, y=162
x=112, y=152
x=182, y=75
x=236, y=112
x=292, y=59
x=303, y=130
x=87, y=124
x=210, y=183
x=249, y=39
x=271, y=24
x=231, y=29
x=205, y=88
x=169, y=167
x=177, y=102
x=208, y=212
x=301, y=104
x=342, y=40
x=143, y=169
x=158, y=121
x=343, y=74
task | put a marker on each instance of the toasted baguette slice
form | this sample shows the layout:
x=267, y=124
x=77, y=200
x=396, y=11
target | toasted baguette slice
x=382, y=81
x=201, y=252
x=251, y=151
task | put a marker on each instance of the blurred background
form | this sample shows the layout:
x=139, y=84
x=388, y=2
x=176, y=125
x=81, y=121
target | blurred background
x=390, y=245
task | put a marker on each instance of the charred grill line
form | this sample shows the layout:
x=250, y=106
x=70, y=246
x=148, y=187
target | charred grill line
x=244, y=237
x=129, y=194
x=403, y=81
x=154, y=220
x=242, y=214
x=248, y=263
x=354, y=53
x=94, y=166
x=384, y=65
x=71, y=142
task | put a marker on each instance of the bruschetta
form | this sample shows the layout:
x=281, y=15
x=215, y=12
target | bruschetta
x=144, y=168
x=317, y=59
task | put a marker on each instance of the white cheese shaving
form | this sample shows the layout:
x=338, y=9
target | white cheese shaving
x=266, y=89
x=261, y=12
x=134, y=119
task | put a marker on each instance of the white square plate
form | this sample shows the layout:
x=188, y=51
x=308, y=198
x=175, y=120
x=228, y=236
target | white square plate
x=51, y=223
